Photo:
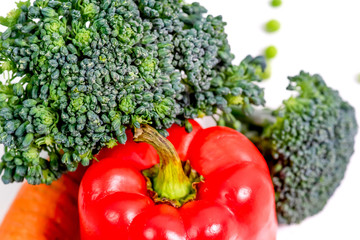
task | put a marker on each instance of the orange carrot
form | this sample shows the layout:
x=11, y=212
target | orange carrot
x=44, y=212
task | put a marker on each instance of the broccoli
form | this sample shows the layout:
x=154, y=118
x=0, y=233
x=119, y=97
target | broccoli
x=81, y=72
x=307, y=144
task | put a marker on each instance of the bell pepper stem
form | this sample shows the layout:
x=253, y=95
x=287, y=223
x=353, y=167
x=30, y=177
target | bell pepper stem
x=171, y=181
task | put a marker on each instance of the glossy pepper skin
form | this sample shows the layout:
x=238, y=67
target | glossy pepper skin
x=234, y=202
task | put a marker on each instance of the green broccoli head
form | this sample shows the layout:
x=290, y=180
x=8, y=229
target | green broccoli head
x=307, y=143
x=311, y=144
x=89, y=69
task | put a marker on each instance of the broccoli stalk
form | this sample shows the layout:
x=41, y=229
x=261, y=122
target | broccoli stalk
x=307, y=143
x=90, y=69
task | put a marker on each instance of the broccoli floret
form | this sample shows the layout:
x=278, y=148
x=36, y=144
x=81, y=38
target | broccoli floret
x=307, y=143
x=90, y=69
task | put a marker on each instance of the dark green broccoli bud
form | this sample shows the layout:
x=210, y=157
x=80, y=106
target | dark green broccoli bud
x=90, y=69
x=307, y=143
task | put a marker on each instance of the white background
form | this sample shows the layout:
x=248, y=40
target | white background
x=318, y=36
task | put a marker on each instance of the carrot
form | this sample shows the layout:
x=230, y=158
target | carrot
x=45, y=212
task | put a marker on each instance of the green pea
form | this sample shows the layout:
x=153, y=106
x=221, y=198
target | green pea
x=276, y=3
x=272, y=26
x=270, y=52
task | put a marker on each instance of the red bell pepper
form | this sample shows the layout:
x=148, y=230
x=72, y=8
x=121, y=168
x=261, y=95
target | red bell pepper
x=234, y=198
